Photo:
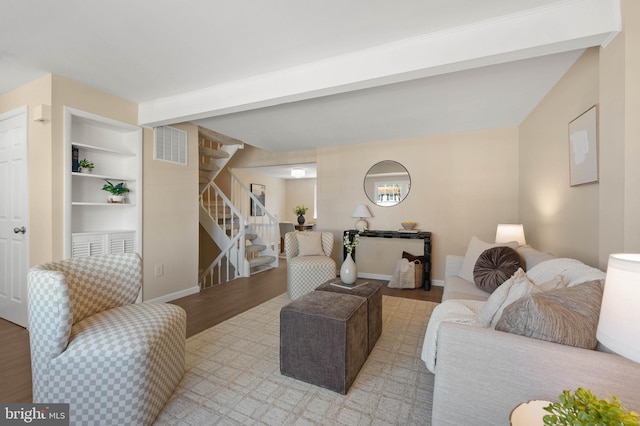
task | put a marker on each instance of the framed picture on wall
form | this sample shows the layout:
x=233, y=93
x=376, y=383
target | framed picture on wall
x=583, y=148
x=258, y=191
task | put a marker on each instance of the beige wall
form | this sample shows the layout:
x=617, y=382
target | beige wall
x=169, y=236
x=589, y=221
x=556, y=217
x=170, y=221
x=37, y=92
x=275, y=192
x=462, y=185
x=620, y=136
x=300, y=192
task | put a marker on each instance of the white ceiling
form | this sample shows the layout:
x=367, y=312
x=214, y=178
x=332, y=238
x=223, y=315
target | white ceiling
x=288, y=75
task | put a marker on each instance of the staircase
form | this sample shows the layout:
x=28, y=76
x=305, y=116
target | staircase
x=246, y=247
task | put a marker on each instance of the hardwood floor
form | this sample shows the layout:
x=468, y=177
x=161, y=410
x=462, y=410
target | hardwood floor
x=205, y=309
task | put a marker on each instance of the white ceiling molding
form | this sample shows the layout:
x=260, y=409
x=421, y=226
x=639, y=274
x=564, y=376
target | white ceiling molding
x=560, y=27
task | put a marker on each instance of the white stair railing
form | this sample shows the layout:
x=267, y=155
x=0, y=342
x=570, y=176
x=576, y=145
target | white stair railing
x=226, y=226
x=265, y=226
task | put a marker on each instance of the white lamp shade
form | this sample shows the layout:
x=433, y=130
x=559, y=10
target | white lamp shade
x=507, y=232
x=619, y=324
x=361, y=212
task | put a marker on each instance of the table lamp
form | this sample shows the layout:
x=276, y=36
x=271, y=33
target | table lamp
x=619, y=324
x=361, y=211
x=507, y=232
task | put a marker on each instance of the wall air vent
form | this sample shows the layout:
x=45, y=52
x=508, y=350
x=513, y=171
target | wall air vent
x=170, y=144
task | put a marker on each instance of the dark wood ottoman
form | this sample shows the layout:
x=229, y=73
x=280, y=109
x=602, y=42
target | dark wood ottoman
x=372, y=291
x=323, y=339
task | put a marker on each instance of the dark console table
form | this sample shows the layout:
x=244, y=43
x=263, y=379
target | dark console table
x=425, y=236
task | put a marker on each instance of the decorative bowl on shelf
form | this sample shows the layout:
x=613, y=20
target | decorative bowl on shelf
x=408, y=225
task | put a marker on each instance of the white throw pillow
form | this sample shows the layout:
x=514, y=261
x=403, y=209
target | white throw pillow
x=309, y=244
x=519, y=285
x=474, y=250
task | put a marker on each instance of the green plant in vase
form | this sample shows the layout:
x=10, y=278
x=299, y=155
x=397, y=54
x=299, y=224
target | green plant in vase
x=117, y=191
x=583, y=408
x=300, y=212
x=85, y=164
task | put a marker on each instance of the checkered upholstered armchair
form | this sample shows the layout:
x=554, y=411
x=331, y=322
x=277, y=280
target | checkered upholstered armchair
x=308, y=266
x=114, y=361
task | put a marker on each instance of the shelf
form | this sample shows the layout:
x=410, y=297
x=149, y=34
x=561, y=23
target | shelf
x=92, y=224
x=82, y=203
x=114, y=231
x=105, y=150
x=95, y=176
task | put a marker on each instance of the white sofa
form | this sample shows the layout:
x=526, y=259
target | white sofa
x=482, y=374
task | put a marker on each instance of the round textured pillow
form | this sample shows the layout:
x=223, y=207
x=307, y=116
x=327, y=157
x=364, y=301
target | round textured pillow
x=494, y=266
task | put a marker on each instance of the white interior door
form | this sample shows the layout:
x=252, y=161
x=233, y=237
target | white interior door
x=14, y=236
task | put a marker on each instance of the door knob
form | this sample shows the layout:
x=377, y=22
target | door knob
x=20, y=230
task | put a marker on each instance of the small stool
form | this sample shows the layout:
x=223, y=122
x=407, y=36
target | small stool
x=372, y=291
x=323, y=339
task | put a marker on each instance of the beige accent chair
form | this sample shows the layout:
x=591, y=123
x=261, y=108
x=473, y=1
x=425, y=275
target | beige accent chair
x=112, y=360
x=308, y=264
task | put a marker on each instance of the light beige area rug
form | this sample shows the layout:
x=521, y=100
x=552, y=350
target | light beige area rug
x=233, y=376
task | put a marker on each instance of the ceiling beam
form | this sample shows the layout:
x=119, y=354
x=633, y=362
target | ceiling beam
x=559, y=27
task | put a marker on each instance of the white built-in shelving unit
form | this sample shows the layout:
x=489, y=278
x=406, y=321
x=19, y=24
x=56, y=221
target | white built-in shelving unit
x=93, y=225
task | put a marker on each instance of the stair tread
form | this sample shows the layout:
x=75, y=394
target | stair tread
x=203, y=180
x=249, y=236
x=208, y=167
x=261, y=260
x=255, y=248
x=212, y=153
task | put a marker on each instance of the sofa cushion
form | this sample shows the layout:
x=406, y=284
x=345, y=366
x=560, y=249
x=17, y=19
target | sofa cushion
x=494, y=266
x=530, y=257
x=474, y=250
x=568, y=316
x=459, y=288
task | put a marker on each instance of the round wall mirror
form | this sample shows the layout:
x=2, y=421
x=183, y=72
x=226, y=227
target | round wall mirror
x=387, y=183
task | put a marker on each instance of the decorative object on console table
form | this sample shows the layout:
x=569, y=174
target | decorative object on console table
x=300, y=212
x=507, y=232
x=259, y=192
x=408, y=226
x=361, y=212
x=619, y=323
x=117, y=192
x=425, y=236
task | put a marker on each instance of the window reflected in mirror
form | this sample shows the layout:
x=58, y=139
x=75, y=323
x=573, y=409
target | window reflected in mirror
x=387, y=183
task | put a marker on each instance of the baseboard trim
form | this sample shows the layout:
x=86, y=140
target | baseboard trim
x=176, y=295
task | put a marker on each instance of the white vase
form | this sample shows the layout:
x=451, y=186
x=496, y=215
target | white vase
x=348, y=270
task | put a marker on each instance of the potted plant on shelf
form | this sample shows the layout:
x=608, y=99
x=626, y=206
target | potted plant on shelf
x=117, y=191
x=300, y=212
x=85, y=166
